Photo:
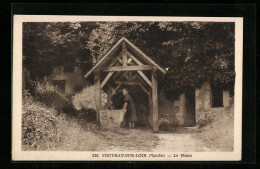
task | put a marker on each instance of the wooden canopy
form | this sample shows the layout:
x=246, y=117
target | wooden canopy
x=125, y=64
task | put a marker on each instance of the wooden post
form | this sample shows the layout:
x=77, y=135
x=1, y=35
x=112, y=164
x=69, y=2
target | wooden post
x=150, y=109
x=124, y=54
x=109, y=95
x=97, y=94
x=155, y=101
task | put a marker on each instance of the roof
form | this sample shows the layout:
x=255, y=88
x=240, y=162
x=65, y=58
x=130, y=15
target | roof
x=116, y=47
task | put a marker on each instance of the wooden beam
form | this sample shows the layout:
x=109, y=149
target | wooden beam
x=144, y=55
x=109, y=95
x=145, y=78
x=150, y=109
x=134, y=58
x=117, y=58
x=97, y=94
x=116, y=74
x=140, y=72
x=127, y=76
x=124, y=59
x=117, y=87
x=119, y=75
x=130, y=74
x=109, y=53
x=128, y=68
x=106, y=79
x=126, y=82
x=133, y=77
x=129, y=60
x=124, y=47
x=141, y=80
x=155, y=101
x=120, y=61
x=142, y=87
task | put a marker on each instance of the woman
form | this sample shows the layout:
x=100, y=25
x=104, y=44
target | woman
x=129, y=107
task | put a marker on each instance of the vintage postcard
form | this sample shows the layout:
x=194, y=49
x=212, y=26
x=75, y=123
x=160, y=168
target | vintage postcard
x=124, y=88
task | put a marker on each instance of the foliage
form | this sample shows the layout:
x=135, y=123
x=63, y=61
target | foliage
x=48, y=94
x=195, y=51
x=44, y=129
x=217, y=129
x=204, y=51
x=205, y=117
x=86, y=99
x=50, y=44
x=38, y=123
x=108, y=33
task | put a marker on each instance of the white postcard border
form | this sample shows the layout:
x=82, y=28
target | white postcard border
x=19, y=155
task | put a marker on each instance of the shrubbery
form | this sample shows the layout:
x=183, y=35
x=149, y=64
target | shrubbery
x=38, y=123
x=48, y=94
x=43, y=128
x=86, y=99
x=217, y=129
x=204, y=117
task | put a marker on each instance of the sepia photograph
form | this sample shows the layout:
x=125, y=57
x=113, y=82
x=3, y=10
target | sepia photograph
x=127, y=88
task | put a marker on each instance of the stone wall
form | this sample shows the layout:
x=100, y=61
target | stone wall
x=165, y=106
x=72, y=79
x=204, y=109
x=111, y=118
x=172, y=110
x=176, y=111
x=202, y=96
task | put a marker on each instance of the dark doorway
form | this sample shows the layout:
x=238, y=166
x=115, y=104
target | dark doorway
x=216, y=96
x=190, y=119
x=141, y=102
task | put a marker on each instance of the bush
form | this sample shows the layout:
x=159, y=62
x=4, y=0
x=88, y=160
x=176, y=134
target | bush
x=38, y=123
x=207, y=116
x=71, y=136
x=48, y=94
x=86, y=99
x=44, y=129
x=217, y=130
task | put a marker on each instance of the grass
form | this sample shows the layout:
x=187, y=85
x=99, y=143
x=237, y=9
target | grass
x=219, y=134
x=43, y=128
x=46, y=129
x=122, y=139
x=72, y=136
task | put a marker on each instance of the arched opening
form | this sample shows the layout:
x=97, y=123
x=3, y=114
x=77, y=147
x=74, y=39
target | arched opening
x=118, y=64
x=141, y=102
x=140, y=99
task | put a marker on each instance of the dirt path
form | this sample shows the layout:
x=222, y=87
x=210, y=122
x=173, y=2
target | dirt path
x=179, y=142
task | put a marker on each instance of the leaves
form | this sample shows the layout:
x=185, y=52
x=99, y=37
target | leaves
x=86, y=99
x=192, y=51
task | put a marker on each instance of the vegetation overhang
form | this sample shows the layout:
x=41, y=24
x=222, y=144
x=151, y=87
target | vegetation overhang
x=144, y=62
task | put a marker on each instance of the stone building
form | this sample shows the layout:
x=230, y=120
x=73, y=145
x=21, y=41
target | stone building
x=190, y=106
x=68, y=78
x=124, y=65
